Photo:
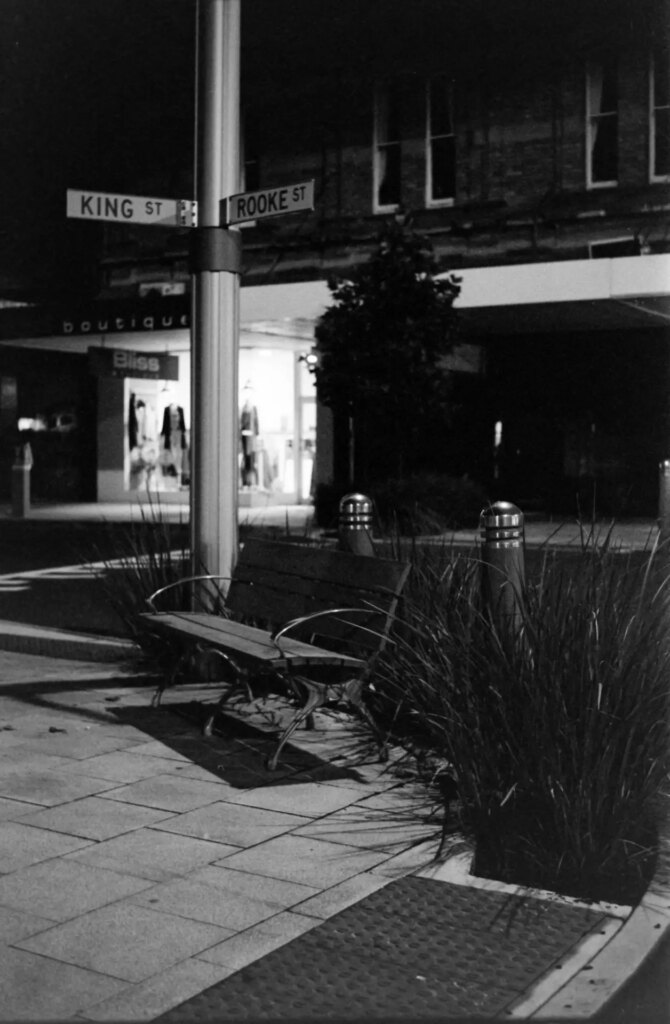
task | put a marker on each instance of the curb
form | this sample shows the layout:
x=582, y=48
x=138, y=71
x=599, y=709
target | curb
x=61, y=643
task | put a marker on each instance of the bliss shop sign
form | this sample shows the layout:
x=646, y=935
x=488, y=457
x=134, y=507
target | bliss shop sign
x=121, y=362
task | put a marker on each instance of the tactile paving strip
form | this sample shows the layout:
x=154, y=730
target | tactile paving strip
x=418, y=948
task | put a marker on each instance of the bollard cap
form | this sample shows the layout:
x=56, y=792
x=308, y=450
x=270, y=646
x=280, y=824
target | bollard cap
x=502, y=523
x=355, y=511
x=664, y=467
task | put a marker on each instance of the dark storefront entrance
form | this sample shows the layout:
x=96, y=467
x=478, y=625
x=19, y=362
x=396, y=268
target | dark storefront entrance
x=579, y=419
x=48, y=399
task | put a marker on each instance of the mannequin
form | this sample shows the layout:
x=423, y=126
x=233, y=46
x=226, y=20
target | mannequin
x=173, y=433
x=141, y=443
x=248, y=437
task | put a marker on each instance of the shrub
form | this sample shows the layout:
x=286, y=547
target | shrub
x=421, y=504
x=428, y=503
x=557, y=737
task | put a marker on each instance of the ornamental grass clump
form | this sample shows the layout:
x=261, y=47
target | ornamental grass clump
x=557, y=733
x=143, y=556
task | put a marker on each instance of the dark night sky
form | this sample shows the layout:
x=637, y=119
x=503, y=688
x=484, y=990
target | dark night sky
x=94, y=94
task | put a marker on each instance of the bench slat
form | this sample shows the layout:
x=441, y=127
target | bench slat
x=246, y=641
x=324, y=565
x=275, y=582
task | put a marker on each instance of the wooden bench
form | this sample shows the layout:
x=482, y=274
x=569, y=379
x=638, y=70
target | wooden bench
x=314, y=618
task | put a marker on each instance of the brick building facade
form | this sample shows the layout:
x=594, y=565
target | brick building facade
x=531, y=143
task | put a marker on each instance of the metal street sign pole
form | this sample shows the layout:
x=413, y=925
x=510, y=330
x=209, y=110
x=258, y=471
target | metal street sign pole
x=215, y=257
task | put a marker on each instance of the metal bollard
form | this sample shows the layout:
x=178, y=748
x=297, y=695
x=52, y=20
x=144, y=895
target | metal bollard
x=503, y=563
x=355, y=525
x=23, y=462
x=664, y=500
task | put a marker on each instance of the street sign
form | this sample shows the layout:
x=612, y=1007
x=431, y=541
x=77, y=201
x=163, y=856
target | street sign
x=131, y=209
x=269, y=202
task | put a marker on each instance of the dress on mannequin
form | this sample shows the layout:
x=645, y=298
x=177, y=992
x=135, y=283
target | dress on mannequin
x=173, y=433
x=248, y=437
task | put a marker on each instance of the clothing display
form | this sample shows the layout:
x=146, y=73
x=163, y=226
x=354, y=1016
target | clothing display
x=248, y=443
x=173, y=432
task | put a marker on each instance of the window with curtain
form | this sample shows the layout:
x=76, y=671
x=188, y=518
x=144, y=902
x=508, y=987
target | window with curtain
x=440, y=142
x=659, y=116
x=602, y=124
x=387, y=146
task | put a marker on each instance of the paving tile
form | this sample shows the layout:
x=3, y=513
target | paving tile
x=201, y=902
x=124, y=941
x=410, y=860
x=202, y=772
x=346, y=776
x=230, y=823
x=154, y=748
x=39, y=988
x=255, y=942
x=20, y=756
x=12, y=810
x=49, y=788
x=152, y=854
x=123, y=766
x=332, y=901
x=171, y=793
x=59, y=889
x=308, y=861
x=78, y=744
x=309, y=799
x=94, y=818
x=18, y=924
x=275, y=891
x=370, y=828
x=160, y=993
x=22, y=845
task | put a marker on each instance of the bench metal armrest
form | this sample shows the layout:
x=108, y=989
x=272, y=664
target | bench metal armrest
x=178, y=583
x=296, y=623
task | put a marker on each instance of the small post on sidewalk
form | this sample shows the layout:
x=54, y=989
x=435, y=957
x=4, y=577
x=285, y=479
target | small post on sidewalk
x=355, y=525
x=23, y=463
x=503, y=562
x=664, y=501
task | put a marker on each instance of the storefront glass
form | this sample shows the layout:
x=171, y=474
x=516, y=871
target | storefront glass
x=157, y=426
x=267, y=421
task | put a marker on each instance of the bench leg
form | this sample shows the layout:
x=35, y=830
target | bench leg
x=240, y=677
x=170, y=681
x=315, y=698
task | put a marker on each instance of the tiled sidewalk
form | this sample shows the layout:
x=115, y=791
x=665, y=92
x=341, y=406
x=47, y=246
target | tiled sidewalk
x=146, y=870
x=135, y=870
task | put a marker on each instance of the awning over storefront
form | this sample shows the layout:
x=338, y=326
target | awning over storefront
x=626, y=293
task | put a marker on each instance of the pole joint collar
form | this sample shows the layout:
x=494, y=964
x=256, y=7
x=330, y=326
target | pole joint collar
x=215, y=249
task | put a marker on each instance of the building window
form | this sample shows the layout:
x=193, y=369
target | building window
x=602, y=124
x=659, y=116
x=387, y=147
x=440, y=142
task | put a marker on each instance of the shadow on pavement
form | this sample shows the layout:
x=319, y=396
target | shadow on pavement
x=237, y=751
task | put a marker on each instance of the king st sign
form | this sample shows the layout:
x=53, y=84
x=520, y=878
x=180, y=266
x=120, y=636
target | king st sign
x=136, y=209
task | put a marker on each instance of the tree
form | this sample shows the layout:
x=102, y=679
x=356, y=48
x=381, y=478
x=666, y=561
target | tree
x=381, y=349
